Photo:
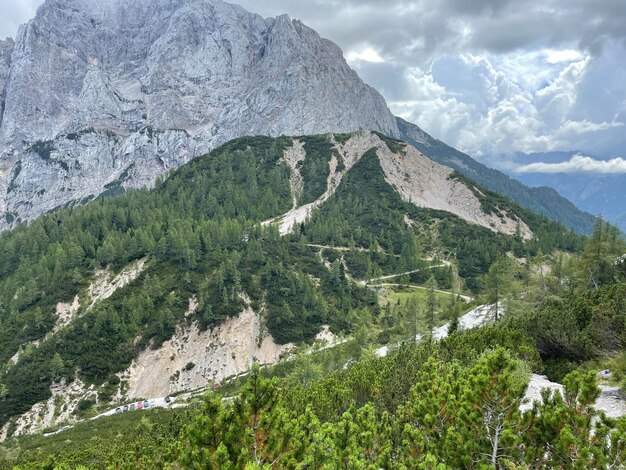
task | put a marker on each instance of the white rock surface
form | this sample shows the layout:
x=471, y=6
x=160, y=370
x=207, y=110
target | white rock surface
x=6, y=50
x=475, y=318
x=65, y=312
x=609, y=400
x=417, y=179
x=426, y=183
x=225, y=351
x=105, y=285
x=127, y=89
x=59, y=408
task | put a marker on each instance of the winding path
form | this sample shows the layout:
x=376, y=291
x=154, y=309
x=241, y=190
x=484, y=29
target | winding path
x=467, y=298
x=391, y=276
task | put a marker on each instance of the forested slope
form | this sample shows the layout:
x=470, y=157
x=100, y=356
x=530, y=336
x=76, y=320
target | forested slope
x=200, y=235
x=457, y=403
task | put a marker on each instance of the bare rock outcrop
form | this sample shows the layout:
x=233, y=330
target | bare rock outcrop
x=6, y=50
x=417, y=179
x=425, y=183
x=192, y=358
x=101, y=96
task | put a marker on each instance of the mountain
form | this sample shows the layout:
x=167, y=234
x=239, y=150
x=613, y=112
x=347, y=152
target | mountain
x=98, y=97
x=108, y=95
x=542, y=199
x=600, y=194
x=6, y=49
x=240, y=255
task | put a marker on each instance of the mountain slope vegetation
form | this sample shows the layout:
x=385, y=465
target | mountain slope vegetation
x=457, y=403
x=200, y=236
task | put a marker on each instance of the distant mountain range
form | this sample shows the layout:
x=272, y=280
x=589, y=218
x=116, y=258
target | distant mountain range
x=599, y=194
x=542, y=199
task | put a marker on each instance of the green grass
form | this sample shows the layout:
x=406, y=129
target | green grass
x=405, y=294
x=396, y=301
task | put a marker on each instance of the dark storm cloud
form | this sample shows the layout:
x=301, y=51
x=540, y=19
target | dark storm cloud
x=422, y=30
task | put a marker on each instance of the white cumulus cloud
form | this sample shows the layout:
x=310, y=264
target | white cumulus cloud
x=577, y=164
x=366, y=54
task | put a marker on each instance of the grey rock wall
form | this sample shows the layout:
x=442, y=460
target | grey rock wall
x=100, y=96
x=6, y=50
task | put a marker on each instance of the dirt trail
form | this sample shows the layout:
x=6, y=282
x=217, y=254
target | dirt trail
x=391, y=276
x=337, y=248
x=467, y=298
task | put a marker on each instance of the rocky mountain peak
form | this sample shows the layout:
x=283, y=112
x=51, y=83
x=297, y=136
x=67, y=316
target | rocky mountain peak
x=107, y=95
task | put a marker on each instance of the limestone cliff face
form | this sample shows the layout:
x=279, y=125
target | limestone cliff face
x=6, y=50
x=97, y=96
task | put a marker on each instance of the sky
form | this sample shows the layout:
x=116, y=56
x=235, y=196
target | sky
x=490, y=77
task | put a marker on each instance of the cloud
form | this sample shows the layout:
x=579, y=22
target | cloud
x=491, y=77
x=487, y=107
x=366, y=54
x=423, y=30
x=581, y=127
x=564, y=55
x=577, y=164
x=14, y=13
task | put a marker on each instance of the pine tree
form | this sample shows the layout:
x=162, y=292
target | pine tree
x=494, y=391
x=453, y=327
x=561, y=431
x=497, y=280
x=431, y=304
x=410, y=312
x=56, y=366
x=599, y=262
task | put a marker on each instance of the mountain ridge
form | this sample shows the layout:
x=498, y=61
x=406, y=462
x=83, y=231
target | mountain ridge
x=94, y=89
x=543, y=199
x=101, y=97
x=95, y=286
